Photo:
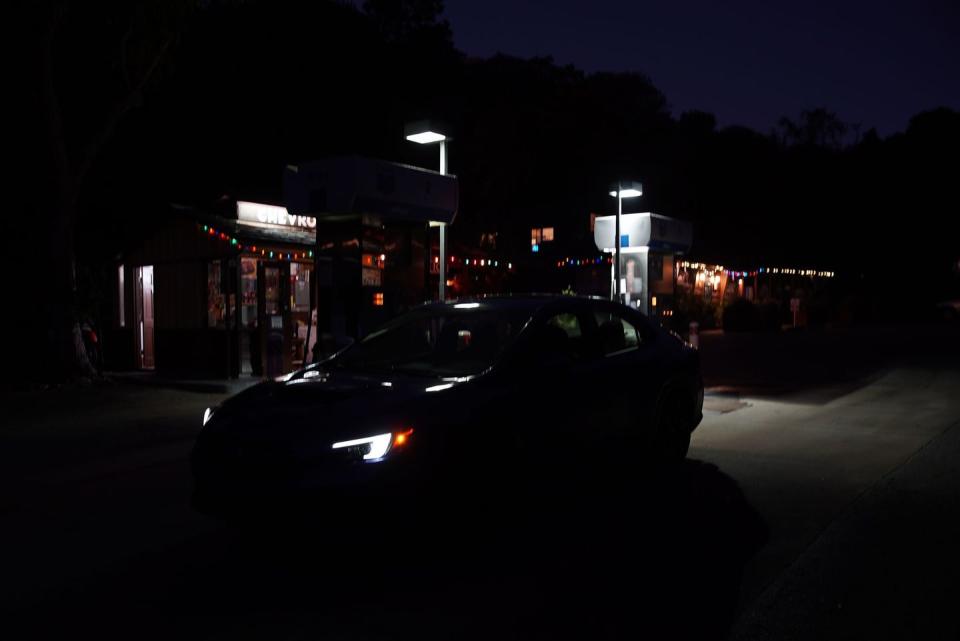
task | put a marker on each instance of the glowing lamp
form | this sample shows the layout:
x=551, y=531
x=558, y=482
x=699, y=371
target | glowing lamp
x=401, y=438
x=628, y=189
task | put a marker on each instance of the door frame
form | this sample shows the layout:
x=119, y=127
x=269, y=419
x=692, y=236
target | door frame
x=265, y=321
x=145, y=330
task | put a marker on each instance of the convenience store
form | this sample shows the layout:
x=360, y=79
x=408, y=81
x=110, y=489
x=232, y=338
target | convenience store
x=246, y=288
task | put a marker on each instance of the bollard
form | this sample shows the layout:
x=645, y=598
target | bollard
x=694, y=336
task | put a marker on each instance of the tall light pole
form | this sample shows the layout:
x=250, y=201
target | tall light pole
x=624, y=189
x=426, y=132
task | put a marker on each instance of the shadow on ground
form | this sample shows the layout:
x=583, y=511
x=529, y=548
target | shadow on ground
x=818, y=365
x=665, y=560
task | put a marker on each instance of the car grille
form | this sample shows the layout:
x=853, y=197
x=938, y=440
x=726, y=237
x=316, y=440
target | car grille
x=233, y=460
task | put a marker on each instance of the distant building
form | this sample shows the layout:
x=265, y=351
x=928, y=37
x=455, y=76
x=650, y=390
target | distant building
x=253, y=288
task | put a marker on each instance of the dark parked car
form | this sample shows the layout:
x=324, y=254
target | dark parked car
x=949, y=310
x=484, y=395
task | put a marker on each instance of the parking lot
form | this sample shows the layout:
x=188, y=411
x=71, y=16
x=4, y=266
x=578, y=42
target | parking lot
x=854, y=484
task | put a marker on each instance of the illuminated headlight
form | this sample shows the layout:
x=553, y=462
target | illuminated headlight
x=374, y=448
x=208, y=414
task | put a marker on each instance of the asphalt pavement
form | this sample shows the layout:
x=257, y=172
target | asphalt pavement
x=820, y=503
x=813, y=470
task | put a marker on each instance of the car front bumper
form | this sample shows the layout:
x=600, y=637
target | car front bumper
x=227, y=478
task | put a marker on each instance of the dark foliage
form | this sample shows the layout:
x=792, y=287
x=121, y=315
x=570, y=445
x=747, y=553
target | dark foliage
x=215, y=98
x=741, y=316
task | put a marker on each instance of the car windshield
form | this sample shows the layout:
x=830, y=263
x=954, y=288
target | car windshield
x=436, y=342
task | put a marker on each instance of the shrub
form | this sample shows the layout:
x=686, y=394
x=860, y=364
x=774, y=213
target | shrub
x=770, y=320
x=742, y=316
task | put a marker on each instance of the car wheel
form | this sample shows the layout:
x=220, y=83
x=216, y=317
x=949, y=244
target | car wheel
x=672, y=427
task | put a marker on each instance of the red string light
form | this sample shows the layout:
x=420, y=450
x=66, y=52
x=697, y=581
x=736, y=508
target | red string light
x=234, y=242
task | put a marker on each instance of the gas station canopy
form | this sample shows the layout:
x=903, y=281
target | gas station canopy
x=643, y=230
x=344, y=187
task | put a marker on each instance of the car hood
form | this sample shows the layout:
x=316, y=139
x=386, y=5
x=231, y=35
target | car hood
x=336, y=403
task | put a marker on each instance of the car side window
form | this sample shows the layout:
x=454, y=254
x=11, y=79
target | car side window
x=616, y=333
x=577, y=340
x=558, y=341
x=568, y=322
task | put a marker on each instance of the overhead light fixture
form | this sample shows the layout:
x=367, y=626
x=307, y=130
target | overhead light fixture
x=628, y=189
x=628, y=193
x=426, y=137
x=425, y=132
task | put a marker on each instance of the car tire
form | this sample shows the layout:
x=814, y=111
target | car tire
x=672, y=427
x=682, y=445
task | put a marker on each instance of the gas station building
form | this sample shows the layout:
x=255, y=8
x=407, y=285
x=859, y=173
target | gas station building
x=249, y=288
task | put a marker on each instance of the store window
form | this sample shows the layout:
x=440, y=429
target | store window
x=488, y=240
x=540, y=235
x=216, y=305
x=300, y=310
x=372, y=266
x=248, y=289
x=299, y=287
x=655, y=267
x=271, y=290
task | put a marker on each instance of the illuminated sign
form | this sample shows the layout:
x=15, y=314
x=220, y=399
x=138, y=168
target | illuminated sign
x=643, y=230
x=262, y=214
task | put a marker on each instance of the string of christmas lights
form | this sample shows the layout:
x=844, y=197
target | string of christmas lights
x=796, y=272
x=284, y=254
x=474, y=262
x=579, y=262
x=814, y=273
x=789, y=271
x=266, y=252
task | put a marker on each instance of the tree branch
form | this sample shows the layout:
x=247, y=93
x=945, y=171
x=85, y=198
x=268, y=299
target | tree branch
x=132, y=100
x=124, y=70
x=51, y=101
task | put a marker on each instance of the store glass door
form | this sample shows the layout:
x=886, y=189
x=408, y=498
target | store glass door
x=302, y=327
x=250, y=356
x=273, y=303
x=144, y=310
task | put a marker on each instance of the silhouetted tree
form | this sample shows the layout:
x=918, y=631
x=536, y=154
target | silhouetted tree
x=403, y=20
x=94, y=64
x=249, y=86
x=816, y=128
x=697, y=121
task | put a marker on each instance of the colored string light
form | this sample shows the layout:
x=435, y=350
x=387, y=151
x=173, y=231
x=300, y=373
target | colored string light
x=235, y=242
x=487, y=263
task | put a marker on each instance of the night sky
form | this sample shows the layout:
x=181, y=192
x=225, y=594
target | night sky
x=748, y=62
